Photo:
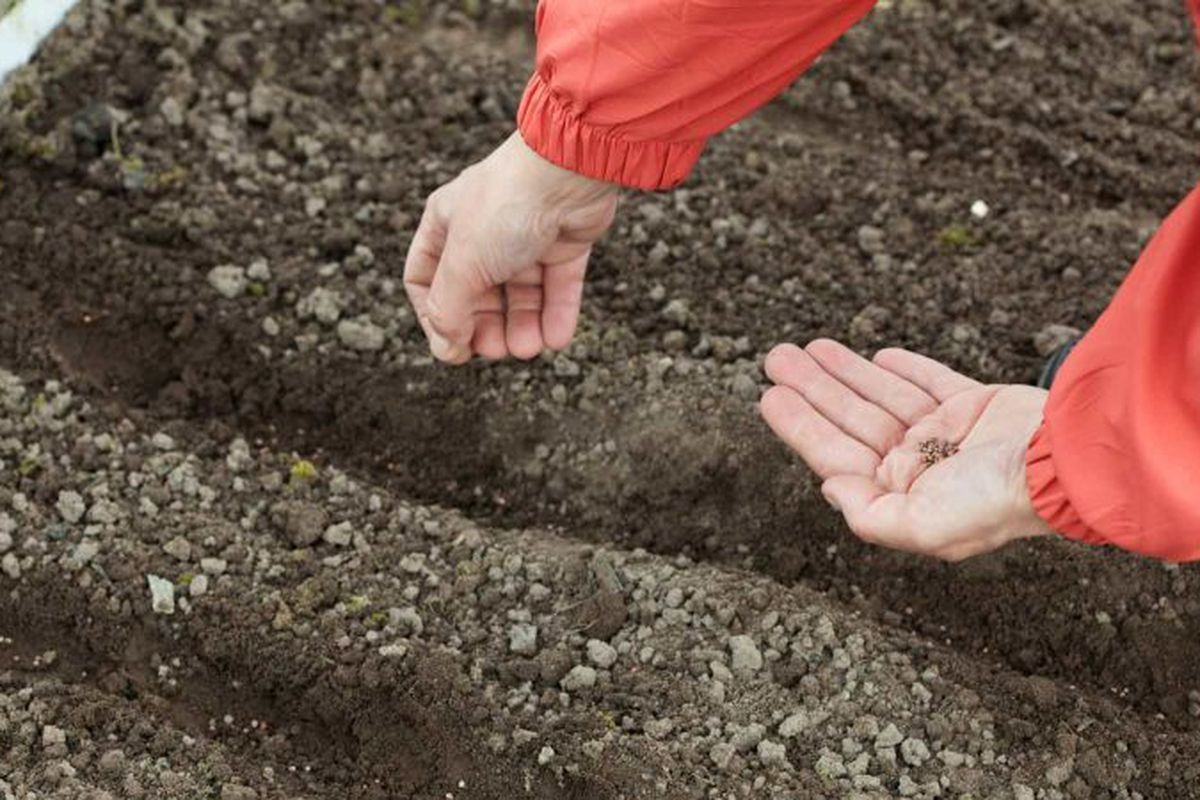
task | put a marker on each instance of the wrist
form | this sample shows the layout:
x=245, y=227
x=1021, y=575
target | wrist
x=557, y=185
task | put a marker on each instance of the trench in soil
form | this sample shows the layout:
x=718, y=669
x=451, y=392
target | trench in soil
x=409, y=737
x=701, y=478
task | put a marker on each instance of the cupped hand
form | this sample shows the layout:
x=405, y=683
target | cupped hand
x=497, y=264
x=916, y=456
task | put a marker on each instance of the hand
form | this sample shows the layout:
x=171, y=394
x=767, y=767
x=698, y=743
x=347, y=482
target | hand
x=861, y=426
x=496, y=266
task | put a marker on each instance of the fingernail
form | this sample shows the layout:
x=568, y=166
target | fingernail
x=439, y=346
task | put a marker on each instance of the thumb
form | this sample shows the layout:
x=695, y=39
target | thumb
x=454, y=296
x=872, y=513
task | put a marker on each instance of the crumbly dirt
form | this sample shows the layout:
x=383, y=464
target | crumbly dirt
x=593, y=575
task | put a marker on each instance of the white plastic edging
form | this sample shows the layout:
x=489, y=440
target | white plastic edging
x=23, y=28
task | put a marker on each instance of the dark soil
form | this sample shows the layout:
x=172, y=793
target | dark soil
x=842, y=210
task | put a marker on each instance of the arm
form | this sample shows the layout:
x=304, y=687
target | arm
x=1117, y=459
x=628, y=92
x=625, y=93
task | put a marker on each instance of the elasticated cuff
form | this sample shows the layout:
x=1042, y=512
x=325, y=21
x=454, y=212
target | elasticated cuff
x=1049, y=498
x=558, y=135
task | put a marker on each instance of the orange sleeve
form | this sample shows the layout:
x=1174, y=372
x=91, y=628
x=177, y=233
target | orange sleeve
x=1117, y=459
x=629, y=90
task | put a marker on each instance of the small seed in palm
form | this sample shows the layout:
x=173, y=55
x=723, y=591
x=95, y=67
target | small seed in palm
x=935, y=450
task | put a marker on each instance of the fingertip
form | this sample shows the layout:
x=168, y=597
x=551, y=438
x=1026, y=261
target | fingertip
x=777, y=359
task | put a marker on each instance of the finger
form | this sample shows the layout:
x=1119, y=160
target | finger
x=454, y=297
x=899, y=397
x=563, y=286
x=524, y=313
x=827, y=449
x=489, y=341
x=421, y=261
x=933, y=377
x=873, y=426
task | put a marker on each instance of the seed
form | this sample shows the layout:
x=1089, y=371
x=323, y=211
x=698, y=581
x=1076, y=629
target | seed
x=935, y=450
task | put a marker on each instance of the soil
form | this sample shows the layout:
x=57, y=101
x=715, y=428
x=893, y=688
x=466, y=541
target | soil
x=212, y=374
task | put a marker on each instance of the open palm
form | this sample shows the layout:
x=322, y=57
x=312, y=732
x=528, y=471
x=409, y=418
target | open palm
x=916, y=456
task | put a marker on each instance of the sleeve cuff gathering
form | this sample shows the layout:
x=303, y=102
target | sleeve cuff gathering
x=1048, y=495
x=557, y=134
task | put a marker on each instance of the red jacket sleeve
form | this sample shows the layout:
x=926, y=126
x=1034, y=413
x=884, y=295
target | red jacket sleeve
x=1117, y=459
x=628, y=90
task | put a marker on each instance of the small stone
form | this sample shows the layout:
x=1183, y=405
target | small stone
x=396, y=650
x=602, y=654
x=890, y=736
x=85, y=551
x=745, y=657
x=259, y=270
x=162, y=595
x=229, y=280
x=579, y=677
x=747, y=737
x=914, y=752
x=745, y=387
x=772, y=754
x=545, y=755
x=340, y=535
x=1059, y=773
x=178, y=548
x=1022, y=792
x=659, y=728
x=677, y=312
x=11, y=566
x=979, y=209
x=199, y=586
x=1054, y=336
x=870, y=240
x=522, y=639
x=322, y=303
x=721, y=754
x=53, y=736
x=214, y=566
x=303, y=523
x=112, y=762
x=361, y=334
x=232, y=791
x=794, y=725
x=70, y=506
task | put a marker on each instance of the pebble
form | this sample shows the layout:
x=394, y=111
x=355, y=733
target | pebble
x=980, y=209
x=545, y=755
x=579, y=677
x=870, y=239
x=303, y=523
x=1054, y=336
x=178, y=548
x=602, y=654
x=361, y=334
x=11, y=566
x=112, y=762
x=396, y=650
x=745, y=657
x=162, y=595
x=745, y=738
x=53, y=736
x=339, y=535
x=70, y=506
x=772, y=754
x=522, y=639
x=721, y=754
x=890, y=736
x=199, y=586
x=229, y=280
x=659, y=728
x=214, y=566
x=914, y=752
